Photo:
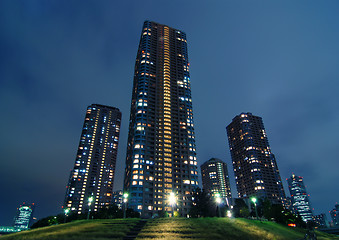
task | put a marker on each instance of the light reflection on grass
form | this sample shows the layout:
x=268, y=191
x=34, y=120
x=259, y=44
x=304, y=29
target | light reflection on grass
x=220, y=228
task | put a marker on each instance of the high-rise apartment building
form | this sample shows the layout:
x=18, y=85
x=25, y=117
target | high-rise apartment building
x=300, y=199
x=23, y=216
x=93, y=172
x=215, y=179
x=255, y=168
x=161, y=151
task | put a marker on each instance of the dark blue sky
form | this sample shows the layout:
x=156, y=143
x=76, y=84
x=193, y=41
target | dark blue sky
x=276, y=59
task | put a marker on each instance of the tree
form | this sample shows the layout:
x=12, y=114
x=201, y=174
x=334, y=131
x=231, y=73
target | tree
x=130, y=213
x=109, y=212
x=280, y=214
x=202, y=205
x=48, y=221
x=267, y=209
x=240, y=208
x=113, y=211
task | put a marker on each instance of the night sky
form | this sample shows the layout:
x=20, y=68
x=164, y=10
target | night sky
x=276, y=59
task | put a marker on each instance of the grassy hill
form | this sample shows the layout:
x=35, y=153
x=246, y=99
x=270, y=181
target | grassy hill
x=221, y=228
x=78, y=230
x=167, y=228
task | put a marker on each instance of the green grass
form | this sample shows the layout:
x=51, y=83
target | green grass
x=168, y=228
x=78, y=230
x=221, y=228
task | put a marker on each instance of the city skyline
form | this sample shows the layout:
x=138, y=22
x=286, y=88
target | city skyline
x=277, y=60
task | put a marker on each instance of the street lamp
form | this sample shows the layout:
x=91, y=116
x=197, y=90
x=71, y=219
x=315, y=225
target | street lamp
x=125, y=196
x=90, y=200
x=172, y=201
x=254, y=200
x=218, y=201
x=66, y=212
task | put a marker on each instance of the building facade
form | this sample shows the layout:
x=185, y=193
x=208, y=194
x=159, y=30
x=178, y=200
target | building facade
x=320, y=220
x=23, y=217
x=288, y=203
x=300, y=199
x=117, y=198
x=215, y=179
x=93, y=172
x=161, y=150
x=335, y=215
x=255, y=168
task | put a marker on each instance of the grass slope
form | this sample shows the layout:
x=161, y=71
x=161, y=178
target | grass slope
x=167, y=228
x=78, y=230
x=221, y=228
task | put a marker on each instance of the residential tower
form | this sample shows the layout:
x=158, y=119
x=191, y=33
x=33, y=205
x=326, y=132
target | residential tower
x=161, y=152
x=255, y=167
x=90, y=185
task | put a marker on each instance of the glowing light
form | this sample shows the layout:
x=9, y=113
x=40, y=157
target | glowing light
x=217, y=198
x=172, y=199
x=90, y=200
x=125, y=197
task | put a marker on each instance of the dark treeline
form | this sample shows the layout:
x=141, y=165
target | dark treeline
x=204, y=205
x=110, y=212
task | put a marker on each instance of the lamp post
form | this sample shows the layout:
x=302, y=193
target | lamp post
x=90, y=200
x=229, y=213
x=172, y=201
x=254, y=200
x=218, y=201
x=66, y=212
x=125, y=199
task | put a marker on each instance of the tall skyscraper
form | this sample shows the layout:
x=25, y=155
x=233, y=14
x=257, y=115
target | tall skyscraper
x=23, y=216
x=161, y=151
x=93, y=172
x=300, y=199
x=255, y=168
x=215, y=179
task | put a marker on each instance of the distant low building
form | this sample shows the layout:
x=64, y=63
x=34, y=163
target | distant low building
x=320, y=220
x=24, y=216
x=335, y=215
x=117, y=198
x=6, y=230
